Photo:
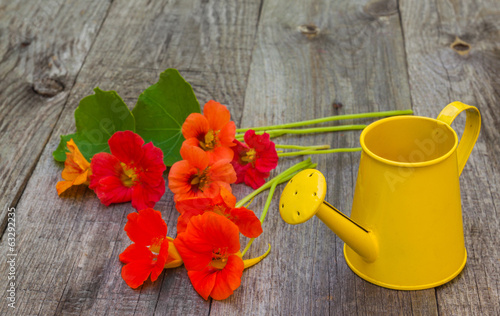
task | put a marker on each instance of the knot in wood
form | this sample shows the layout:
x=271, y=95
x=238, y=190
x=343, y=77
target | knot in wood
x=461, y=47
x=47, y=87
x=309, y=30
x=25, y=42
x=337, y=105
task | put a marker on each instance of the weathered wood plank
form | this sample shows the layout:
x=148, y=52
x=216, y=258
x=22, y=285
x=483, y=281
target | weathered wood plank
x=442, y=70
x=355, y=57
x=67, y=248
x=42, y=48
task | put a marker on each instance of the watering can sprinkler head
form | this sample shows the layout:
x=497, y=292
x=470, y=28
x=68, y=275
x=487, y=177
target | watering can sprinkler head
x=304, y=197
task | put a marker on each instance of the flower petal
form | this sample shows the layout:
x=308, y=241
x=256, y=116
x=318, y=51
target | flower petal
x=193, y=205
x=221, y=153
x=227, y=134
x=188, y=208
x=144, y=196
x=254, y=178
x=152, y=160
x=135, y=252
x=136, y=272
x=62, y=186
x=196, y=156
x=146, y=227
x=161, y=259
x=179, y=177
x=75, y=164
x=228, y=198
x=203, y=281
x=248, y=224
x=104, y=165
x=126, y=146
x=228, y=279
x=111, y=190
x=259, y=142
x=196, y=126
x=267, y=160
x=76, y=156
x=222, y=171
x=211, y=190
x=217, y=115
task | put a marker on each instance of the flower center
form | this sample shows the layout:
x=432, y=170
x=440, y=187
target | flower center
x=250, y=156
x=155, y=247
x=200, y=180
x=129, y=176
x=219, y=258
x=210, y=140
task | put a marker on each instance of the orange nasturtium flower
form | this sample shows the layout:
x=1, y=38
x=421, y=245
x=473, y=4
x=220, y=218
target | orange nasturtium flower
x=210, y=250
x=195, y=176
x=76, y=169
x=152, y=250
x=222, y=204
x=213, y=131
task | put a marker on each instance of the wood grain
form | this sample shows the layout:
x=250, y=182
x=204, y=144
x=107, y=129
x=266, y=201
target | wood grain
x=68, y=247
x=453, y=50
x=42, y=49
x=308, y=57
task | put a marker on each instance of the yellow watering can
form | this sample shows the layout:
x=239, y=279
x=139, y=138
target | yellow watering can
x=405, y=230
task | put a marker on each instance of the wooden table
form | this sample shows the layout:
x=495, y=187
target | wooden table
x=270, y=62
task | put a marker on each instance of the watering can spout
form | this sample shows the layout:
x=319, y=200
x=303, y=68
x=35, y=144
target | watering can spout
x=303, y=198
x=359, y=239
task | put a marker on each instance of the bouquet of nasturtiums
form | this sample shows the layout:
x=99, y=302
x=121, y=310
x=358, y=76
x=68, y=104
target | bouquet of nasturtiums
x=122, y=156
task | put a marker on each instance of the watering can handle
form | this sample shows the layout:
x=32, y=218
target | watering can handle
x=471, y=132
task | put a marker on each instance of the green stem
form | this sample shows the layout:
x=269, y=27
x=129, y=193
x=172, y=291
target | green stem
x=302, y=147
x=317, y=152
x=279, y=178
x=278, y=132
x=328, y=119
x=266, y=206
x=247, y=247
x=268, y=201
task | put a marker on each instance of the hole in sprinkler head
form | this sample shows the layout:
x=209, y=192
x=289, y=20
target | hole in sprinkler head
x=282, y=205
x=291, y=180
x=311, y=175
x=314, y=193
x=298, y=213
x=296, y=192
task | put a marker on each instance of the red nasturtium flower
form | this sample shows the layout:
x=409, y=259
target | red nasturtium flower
x=222, y=204
x=210, y=249
x=132, y=172
x=254, y=160
x=76, y=169
x=195, y=176
x=152, y=250
x=213, y=131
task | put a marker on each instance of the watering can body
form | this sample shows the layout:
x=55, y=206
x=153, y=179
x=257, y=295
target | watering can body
x=415, y=214
x=408, y=195
x=405, y=231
